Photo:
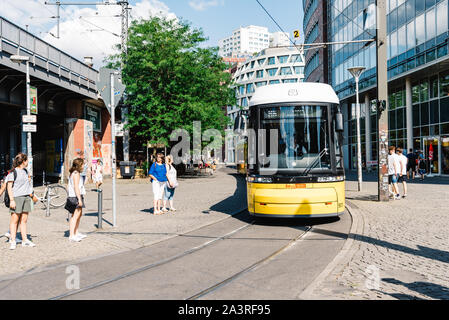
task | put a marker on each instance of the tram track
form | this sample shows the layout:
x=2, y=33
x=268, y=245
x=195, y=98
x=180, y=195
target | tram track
x=163, y=261
x=189, y=252
x=248, y=269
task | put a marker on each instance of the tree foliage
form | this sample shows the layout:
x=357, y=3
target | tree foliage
x=171, y=81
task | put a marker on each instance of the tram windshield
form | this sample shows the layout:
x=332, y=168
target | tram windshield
x=301, y=144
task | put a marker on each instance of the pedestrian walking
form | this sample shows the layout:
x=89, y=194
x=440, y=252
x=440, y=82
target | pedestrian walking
x=19, y=200
x=170, y=186
x=393, y=172
x=403, y=161
x=158, y=174
x=75, y=200
x=97, y=173
x=422, y=166
x=411, y=164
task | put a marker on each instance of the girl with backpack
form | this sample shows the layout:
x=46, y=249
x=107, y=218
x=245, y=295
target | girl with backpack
x=20, y=197
x=172, y=183
x=75, y=200
x=158, y=174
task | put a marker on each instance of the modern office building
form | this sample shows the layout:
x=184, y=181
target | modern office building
x=418, y=75
x=244, y=42
x=279, y=39
x=270, y=66
x=315, y=31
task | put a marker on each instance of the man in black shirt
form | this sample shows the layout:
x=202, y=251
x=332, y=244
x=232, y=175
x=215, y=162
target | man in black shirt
x=411, y=164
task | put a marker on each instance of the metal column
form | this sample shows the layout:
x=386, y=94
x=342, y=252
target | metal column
x=382, y=98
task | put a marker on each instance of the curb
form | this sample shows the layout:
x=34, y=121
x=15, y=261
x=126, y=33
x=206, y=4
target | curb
x=341, y=258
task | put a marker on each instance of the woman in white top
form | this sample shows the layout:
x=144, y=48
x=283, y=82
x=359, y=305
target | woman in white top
x=20, y=192
x=172, y=183
x=75, y=201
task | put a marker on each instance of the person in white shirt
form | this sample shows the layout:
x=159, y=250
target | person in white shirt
x=393, y=172
x=403, y=160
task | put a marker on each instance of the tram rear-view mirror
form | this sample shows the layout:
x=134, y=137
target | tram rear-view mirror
x=339, y=122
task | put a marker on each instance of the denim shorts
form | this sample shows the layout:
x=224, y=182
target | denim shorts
x=169, y=193
x=393, y=178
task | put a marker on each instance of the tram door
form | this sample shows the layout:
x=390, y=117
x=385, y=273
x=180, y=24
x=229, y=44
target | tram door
x=431, y=147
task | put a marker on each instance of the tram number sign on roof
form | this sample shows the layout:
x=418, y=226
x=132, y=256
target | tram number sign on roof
x=29, y=118
x=296, y=34
x=29, y=128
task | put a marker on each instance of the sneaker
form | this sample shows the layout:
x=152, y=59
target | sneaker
x=80, y=235
x=8, y=235
x=397, y=197
x=12, y=245
x=28, y=243
x=404, y=196
x=74, y=239
x=172, y=209
x=164, y=210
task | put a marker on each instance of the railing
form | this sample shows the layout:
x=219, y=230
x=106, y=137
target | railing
x=16, y=40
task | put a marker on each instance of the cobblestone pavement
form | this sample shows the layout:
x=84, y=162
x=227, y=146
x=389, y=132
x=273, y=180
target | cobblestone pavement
x=199, y=201
x=399, y=249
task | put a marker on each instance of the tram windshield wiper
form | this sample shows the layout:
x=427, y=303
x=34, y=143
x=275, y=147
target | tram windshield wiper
x=314, y=163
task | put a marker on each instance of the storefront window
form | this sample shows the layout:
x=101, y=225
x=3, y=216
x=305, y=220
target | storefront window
x=415, y=94
x=444, y=84
x=424, y=91
x=424, y=113
x=416, y=119
x=444, y=110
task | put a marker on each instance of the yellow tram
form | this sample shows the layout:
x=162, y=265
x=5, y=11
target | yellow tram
x=294, y=151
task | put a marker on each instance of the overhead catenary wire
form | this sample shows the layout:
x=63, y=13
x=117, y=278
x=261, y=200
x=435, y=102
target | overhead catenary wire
x=103, y=29
x=280, y=28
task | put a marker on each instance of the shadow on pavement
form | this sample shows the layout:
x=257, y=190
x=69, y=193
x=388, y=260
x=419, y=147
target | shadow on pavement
x=432, y=290
x=422, y=251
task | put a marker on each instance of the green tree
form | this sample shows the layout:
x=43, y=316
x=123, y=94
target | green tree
x=171, y=81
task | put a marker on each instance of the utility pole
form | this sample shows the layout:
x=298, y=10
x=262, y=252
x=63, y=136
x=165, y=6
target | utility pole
x=124, y=38
x=382, y=100
x=114, y=159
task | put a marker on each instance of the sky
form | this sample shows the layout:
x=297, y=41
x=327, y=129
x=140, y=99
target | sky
x=82, y=27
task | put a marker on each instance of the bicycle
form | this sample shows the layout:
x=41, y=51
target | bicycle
x=54, y=194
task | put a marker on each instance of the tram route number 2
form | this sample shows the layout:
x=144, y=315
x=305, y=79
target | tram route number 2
x=296, y=34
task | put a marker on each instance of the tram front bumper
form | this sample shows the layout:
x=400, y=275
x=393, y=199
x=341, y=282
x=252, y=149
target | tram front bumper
x=310, y=201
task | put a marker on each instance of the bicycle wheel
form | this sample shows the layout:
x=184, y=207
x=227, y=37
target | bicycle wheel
x=58, y=195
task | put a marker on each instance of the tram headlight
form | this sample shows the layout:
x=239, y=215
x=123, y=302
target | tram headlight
x=259, y=179
x=331, y=179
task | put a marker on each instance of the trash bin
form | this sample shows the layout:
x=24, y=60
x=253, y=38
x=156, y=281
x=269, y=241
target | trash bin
x=127, y=169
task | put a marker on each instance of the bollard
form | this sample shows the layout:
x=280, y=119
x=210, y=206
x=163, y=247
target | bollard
x=100, y=208
x=47, y=212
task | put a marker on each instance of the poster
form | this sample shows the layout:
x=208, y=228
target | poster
x=33, y=100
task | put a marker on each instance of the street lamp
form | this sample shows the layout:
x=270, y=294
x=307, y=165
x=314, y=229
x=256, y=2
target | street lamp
x=356, y=73
x=26, y=59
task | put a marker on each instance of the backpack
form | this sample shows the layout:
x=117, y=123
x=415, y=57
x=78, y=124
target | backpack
x=7, y=200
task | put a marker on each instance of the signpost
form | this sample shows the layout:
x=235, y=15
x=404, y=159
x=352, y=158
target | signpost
x=111, y=90
x=29, y=127
x=29, y=118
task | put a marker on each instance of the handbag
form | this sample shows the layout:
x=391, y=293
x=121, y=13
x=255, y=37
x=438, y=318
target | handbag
x=71, y=204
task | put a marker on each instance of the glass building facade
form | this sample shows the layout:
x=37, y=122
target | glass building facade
x=418, y=75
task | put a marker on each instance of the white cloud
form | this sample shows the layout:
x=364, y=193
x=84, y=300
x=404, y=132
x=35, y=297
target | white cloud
x=201, y=5
x=80, y=37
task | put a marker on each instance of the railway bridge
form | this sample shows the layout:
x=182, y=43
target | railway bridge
x=71, y=117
